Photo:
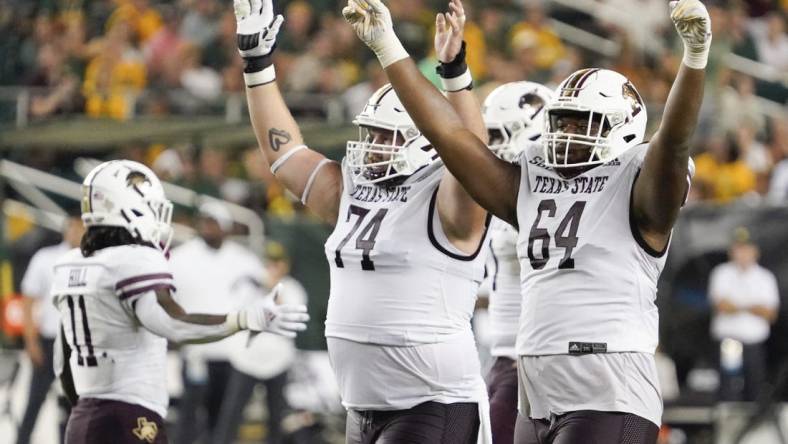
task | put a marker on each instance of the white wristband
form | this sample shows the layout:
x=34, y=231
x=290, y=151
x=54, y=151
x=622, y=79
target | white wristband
x=458, y=83
x=390, y=50
x=258, y=78
x=234, y=322
x=696, y=59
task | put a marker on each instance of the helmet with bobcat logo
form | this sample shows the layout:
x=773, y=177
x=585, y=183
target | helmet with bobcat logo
x=127, y=194
x=513, y=114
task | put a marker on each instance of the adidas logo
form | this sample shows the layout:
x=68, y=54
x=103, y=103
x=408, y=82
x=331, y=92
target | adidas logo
x=587, y=347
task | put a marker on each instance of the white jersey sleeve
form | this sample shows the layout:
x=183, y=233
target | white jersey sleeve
x=142, y=271
x=113, y=357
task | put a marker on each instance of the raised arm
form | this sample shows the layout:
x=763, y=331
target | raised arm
x=661, y=188
x=491, y=182
x=306, y=173
x=461, y=217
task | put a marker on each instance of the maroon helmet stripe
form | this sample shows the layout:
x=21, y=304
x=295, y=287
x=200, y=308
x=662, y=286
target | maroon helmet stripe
x=582, y=80
x=569, y=86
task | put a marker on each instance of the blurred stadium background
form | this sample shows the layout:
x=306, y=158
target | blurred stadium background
x=160, y=82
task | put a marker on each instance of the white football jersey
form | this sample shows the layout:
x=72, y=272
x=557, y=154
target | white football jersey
x=505, y=299
x=395, y=278
x=113, y=356
x=589, y=282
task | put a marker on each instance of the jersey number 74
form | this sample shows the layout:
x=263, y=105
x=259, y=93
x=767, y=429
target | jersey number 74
x=365, y=240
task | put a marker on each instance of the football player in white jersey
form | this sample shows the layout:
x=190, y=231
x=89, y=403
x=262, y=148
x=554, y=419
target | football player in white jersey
x=595, y=206
x=514, y=116
x=404, y=255
x=117, y=312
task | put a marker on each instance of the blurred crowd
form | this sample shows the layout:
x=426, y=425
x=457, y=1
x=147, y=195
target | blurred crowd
x=123, y=58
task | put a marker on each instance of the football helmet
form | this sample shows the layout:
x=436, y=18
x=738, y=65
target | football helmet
x=615, y=113
x=127, y=194
x=514, y=114
x=371, y=159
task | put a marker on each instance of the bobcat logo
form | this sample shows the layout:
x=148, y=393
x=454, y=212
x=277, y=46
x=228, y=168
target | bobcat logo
x=146, y=430
x=134, y=179
x=631, y=95
x=530, y=99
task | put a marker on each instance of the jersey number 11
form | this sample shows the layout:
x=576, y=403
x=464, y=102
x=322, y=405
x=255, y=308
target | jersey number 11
x=90, y=359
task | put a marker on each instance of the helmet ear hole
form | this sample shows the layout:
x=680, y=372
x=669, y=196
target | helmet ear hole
x=136, y=212
x=629, y=137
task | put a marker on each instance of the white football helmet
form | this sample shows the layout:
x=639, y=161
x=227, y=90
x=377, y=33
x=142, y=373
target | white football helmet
x=611, y=103
x=123, y=193
x=514, y=115
x=409, y=150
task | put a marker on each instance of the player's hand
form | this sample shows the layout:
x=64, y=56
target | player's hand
x=285, y=319
x=450, y=49
x=371, y=20
x=449, y=29
x=693, y=25
x=256, y=27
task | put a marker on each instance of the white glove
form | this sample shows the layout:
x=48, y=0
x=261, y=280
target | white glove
x=285, y=320
x=256, y=30
x=693, y=24
x=371, y=20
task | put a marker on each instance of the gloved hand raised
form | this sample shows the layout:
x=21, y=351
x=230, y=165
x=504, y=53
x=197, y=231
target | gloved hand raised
x=371, y=20
x=256, y=30
x=693, y=25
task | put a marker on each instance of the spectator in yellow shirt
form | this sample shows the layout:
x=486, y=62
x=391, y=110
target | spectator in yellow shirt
x=720, y=172
x=535, y=32
x=114, y=77
x=145, y=21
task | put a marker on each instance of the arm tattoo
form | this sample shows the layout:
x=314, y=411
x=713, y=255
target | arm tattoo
x=277, y=138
